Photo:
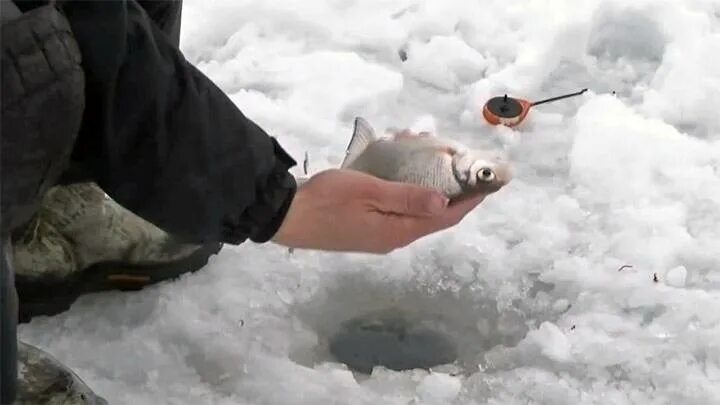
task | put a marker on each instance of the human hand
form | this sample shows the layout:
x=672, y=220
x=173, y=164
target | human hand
x=350, y=211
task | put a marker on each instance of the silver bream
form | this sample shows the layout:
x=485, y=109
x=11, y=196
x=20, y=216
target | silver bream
x=425, y=160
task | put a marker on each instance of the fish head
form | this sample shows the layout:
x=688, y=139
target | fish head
x=478, y=172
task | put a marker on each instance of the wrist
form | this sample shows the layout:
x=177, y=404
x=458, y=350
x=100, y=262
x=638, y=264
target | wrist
x=285, y=195
x=273, y=203
x=288, y=232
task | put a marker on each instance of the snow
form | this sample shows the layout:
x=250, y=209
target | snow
x=528, y=287
x=676, y=277
x=438, y=388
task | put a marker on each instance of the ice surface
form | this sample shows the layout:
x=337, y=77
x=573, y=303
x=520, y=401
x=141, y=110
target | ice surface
x=527, y=287
x=676, y=277
x=438, y=388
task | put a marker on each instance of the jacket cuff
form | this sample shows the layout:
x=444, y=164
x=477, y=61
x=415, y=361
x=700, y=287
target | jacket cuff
x=263, y=218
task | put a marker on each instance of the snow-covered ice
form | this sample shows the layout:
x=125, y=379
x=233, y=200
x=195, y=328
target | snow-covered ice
x=528, y=287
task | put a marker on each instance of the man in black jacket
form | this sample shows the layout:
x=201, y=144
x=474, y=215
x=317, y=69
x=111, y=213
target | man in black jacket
x=98, y=92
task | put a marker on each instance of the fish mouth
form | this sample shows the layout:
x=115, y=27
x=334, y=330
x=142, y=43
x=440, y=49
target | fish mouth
x=486, y=187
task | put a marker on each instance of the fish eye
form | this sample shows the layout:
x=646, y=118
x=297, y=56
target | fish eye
x=486, y=174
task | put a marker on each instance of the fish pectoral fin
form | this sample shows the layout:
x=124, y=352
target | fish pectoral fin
x=363, y=135
x=301, y=179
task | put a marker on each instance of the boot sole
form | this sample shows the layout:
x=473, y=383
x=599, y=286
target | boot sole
x=53, y=296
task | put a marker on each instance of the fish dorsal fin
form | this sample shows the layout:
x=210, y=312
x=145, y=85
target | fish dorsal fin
x=362, y=136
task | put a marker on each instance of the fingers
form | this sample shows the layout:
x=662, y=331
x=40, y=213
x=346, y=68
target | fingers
x=405, y=230
x=453, y=214
x=408, y=199
x=458, y=209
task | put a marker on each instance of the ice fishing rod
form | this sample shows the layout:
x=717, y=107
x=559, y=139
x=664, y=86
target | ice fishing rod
x=511, y=111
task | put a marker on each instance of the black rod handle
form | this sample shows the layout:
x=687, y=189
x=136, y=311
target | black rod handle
x=548, y=100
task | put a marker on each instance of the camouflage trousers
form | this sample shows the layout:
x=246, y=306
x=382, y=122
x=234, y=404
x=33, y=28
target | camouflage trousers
x=43, y=380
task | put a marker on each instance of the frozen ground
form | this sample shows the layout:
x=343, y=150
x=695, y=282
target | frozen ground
x=527, y=288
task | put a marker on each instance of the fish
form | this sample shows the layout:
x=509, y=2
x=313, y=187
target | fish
x=422, y=159
x=426, y=160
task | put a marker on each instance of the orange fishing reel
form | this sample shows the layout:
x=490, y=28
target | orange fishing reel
x=510, y=111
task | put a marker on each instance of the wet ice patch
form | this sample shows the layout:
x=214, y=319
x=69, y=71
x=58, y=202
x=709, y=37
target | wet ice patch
x=369, y=324
x=390, y=340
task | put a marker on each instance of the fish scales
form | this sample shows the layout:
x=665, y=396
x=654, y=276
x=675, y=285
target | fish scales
x=431, y=161
x=425, y=160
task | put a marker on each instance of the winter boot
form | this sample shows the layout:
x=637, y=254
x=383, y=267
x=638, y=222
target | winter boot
x=43, y=380
x=81, y=241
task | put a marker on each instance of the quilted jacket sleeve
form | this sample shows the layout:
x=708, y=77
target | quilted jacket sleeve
x=164, y=141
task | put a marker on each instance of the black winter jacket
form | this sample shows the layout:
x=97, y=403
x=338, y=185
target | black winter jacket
x=164, y=141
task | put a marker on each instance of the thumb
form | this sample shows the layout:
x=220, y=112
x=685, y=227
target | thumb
x=408, y=199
